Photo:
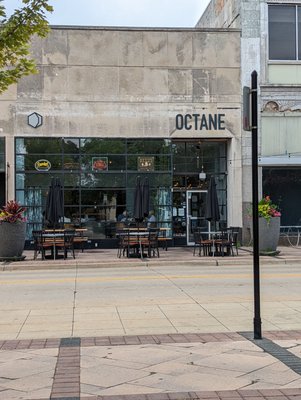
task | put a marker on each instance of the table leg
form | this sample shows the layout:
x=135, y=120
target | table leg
x=140, y=245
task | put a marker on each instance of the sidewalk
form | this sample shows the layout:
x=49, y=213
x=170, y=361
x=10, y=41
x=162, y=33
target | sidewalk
x=152, y=366
x=97, y=258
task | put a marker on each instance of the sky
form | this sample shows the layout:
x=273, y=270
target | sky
x=142, y=13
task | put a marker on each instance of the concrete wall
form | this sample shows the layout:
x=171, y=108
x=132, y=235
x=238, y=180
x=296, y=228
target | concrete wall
x=246, y=16
x=105, y=82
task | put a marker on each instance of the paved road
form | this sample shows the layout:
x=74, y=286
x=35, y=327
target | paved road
x=142, y=300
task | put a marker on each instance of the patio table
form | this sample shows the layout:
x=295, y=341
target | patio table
x=55, y=238
x=139, y=234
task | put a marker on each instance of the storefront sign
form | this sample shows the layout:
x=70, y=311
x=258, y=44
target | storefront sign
x=100, y=163
x=35, y=120
x=42, y=165
x=200, y=122
x=146, y=164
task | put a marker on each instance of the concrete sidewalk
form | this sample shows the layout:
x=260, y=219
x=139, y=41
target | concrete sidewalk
x=149, y=365
x=97, y=258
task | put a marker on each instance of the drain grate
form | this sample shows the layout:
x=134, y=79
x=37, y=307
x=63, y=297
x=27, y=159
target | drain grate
x=283, y=355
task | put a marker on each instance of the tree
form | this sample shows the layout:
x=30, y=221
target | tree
x=15, y=35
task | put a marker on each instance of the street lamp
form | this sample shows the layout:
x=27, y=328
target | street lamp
x=247, y=93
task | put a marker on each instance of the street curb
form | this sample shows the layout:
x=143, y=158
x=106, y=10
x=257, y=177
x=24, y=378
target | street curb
x=53, y=265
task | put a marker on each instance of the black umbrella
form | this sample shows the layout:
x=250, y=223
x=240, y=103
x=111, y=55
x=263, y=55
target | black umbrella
x=212, y=207
x=138, y=208
x=145, y=197
x=54, y=203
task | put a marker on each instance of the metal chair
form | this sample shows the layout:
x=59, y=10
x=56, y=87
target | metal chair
x=234, y=232
x=152, y=242
x=224, y=243
x=67, y=243
x=204, y=244
x=128, y=244
x=40, y=244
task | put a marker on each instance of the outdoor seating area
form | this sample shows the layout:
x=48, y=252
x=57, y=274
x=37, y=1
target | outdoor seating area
x=216, y=243
x=57, y=243
x=138, y=242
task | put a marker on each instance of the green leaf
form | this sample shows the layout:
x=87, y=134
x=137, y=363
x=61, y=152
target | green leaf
x=16, y=33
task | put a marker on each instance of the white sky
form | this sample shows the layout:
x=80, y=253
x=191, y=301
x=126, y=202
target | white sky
x=142, y=13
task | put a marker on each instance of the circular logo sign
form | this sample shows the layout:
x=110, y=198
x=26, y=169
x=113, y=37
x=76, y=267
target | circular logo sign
x=42, y=165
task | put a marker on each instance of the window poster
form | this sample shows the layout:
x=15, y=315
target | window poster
x=99, y=163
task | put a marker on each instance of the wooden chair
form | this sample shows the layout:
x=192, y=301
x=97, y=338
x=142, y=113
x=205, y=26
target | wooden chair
x=127, y=244
x=122, y=244
x=66, y=244
x=80, y=239
x=202, y=243
x=197, y=242
x=40, y=244
x=153, y=243
x=224, y=243
x=234, y=232
x=69, y=242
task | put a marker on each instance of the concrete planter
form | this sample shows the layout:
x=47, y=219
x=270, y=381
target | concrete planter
x=269, y=232
x=12, y=239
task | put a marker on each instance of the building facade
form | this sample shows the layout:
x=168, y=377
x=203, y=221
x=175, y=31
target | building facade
x=113, y=105
x=271, y=45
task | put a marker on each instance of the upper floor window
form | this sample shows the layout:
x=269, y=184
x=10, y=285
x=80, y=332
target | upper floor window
x=284, y=32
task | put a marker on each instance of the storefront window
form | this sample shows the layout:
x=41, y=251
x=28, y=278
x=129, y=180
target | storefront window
x=103, y=146
x=283, y=185
x=98, y=176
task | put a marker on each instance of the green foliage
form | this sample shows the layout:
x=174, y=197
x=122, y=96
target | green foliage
x=12, y=213
x=267, y=209
x=15, y=35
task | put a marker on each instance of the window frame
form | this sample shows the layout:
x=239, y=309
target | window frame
x=297, y=58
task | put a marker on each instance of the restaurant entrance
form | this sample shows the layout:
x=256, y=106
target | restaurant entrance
x=195, y=213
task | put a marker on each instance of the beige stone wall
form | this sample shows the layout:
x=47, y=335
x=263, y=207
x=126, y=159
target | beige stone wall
x=126, y=82
x=129, y=82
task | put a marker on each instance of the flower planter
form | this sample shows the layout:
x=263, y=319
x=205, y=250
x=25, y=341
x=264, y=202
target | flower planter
x=12, y=239
x=269, y=232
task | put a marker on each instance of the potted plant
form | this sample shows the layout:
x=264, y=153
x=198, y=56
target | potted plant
x=12, y=230
x=269, y=225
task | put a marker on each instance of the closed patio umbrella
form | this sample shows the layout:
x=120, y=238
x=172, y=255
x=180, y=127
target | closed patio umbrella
x=145, y=197
x=212, y=207
x=54, y=203
x=138, y=207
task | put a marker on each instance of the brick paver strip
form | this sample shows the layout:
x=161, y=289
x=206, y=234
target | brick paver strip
x=141, y=339
x=66, y=380
x=264, y=394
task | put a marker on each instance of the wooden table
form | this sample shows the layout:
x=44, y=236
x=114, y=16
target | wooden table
x=54, y=237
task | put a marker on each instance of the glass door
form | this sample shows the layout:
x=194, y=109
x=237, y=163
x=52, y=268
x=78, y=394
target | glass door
x=195, y=209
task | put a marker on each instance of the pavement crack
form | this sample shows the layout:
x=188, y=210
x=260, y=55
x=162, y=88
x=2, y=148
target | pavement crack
x=120, y=319
x=74, y=299
x=189, y=296
x=24, y=322
x=168, y=319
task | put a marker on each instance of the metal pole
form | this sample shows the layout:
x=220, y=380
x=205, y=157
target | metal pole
x=257, y=318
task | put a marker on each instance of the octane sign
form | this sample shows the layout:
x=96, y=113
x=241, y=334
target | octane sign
x=42, y=165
